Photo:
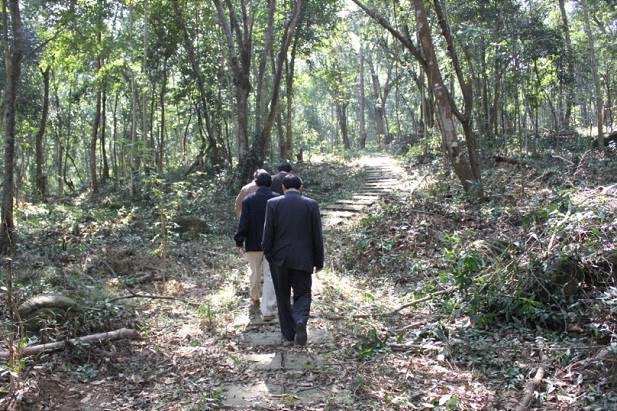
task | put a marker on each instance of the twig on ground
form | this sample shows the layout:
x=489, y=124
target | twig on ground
x=565, y=160
x=111, y=270
x=580, y=163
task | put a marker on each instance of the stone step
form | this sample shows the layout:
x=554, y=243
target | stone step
x=369, y=194
x=366, y=197
x=337, y=214
x=366, y=202
x=345, y=207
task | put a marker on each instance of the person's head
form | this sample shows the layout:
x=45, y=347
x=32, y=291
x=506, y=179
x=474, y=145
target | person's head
x=292, y=181
x=263, y=178
x=284, y=166
x=257, y=172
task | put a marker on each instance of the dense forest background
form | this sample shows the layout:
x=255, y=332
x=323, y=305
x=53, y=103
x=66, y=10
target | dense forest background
x=129, y=126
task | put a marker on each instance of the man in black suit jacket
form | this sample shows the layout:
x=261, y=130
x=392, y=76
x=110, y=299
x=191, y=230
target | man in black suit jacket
x=293, y=245
x=283, y=168
x=248, y=240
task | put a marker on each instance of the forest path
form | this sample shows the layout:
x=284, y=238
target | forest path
x=314, y=376
x=380, y=175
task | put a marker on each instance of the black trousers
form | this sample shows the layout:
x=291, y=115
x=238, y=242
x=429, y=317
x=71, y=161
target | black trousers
x=285, y=281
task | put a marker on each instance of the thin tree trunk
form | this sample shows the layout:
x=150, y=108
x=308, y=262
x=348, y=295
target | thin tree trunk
x=259, y=92
x=240, y=64
x=569, y=80
x=362, y=101
x=40, y=178
x=94, y=184
x=288, y=36
x=105, y=161
x=452, y=145
x=145, y=125
x=287, y=149
x=13, y=57
x=341, y=114
x=594, y=72
x=161, y=149
x=133, y=152
x=380, y=124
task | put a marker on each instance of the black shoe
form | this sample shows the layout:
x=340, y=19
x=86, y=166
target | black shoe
x=301, y=336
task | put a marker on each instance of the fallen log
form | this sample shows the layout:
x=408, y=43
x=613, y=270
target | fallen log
x=108, y=336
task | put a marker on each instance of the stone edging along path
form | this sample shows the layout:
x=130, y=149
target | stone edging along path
x=275, y=376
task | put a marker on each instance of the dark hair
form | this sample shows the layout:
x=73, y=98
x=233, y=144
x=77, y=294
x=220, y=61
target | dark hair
x=292, y=181
x=263, y=178
x=284, y=166
x=258, y=172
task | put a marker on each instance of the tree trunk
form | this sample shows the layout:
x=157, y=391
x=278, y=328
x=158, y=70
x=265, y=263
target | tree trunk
x=287, y=150
x=94, y=184
x=569, y=77
x=593, y=65
x=161, y=146
x=105, y=172
x=260, y=102
x=341, y=115
x=240, y=64
x=451, y=143
x=216, y=156
x=361, y=101
x=288, y=36
x=380, y=124
x=13, y=56
x=145, y=125
x=40, y=178
x=133, y=152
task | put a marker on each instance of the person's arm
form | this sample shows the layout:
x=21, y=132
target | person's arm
x=318, y=247
x=268, y=236
x=243, y=226
x=239, y=199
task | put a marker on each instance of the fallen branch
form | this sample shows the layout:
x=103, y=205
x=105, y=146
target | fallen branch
x=530, y=387
x=551, y=243
x=409, y=304
x=417, y=184
x=600, y=356
x=154, y=297
x=108, y=336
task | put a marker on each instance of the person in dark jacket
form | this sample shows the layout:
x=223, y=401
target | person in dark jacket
x=248, y=240
x=293, y=245
x=283, y=168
